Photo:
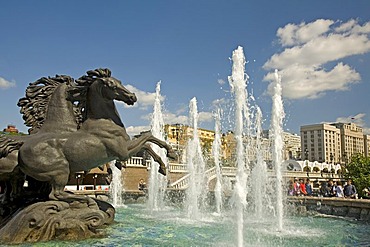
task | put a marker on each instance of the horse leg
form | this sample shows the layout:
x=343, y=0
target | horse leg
x=162, y=167
x=17, y=182
x=137, y=144
x=58, y=193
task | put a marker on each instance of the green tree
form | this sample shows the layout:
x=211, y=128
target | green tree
x=359, y=171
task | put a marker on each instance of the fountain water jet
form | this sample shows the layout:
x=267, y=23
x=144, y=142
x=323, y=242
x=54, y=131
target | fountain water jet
x=216, y=155
x=277, y=145
x=116, y=185
x=157, y=182
x=259, y=172
x=196, y=192
x=238, y=82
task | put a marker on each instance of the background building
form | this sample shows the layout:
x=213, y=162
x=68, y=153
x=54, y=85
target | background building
x=178, y=135
x=333, y=143
x=11, y=129
x=352, y=139
x=367, y=145
x=321, y=142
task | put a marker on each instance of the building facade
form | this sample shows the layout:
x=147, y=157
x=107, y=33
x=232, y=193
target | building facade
x=333, y=143
x=367, y=145
x=352, y=139
x=178, y=136
x=321, y=142
x=11, y=129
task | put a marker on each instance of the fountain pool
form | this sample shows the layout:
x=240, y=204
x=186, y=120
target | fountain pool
x=137, y=226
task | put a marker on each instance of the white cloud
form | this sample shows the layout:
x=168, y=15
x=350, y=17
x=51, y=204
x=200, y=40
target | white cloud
x=171, y=118
x=309, y=48
x=135, y=130
x=144, y=99
x=358, y=119
x=353, y=27
x=218, y=103
x=310, y=82
x=293, y=34
x=5, y=84
x=205, y=117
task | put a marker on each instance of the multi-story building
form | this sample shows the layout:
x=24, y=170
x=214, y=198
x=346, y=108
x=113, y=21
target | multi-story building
x=321, y=142
x=292, y=145
x=352, y=139
x=11, y=129
x=367, y=145
x=229, y=148
x=333, y=143
x=178, y=136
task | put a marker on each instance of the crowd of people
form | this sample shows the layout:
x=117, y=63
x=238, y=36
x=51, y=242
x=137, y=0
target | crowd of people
x=304, y=187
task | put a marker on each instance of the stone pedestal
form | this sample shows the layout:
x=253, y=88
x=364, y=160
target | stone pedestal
x=51, y=220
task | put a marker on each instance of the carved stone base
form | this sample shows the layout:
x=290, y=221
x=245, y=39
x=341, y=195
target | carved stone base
x=50, y=220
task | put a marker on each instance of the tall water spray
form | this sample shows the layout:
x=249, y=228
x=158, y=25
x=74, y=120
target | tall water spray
x=157, y=182
x=196, y=192
x=238, y=82
x=277, y=145
x=259, y=171
x=116, y=185
x=216, y=147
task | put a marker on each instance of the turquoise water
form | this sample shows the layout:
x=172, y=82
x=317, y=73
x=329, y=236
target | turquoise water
x=136, y=226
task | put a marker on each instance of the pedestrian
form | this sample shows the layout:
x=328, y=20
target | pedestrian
x=290, y=188
x=142, y=185
x=324, y=189
x=350, y=190
x=332, y=188
x=296, y=186
x=339, y=189
x=308, y=187
x=302, y=187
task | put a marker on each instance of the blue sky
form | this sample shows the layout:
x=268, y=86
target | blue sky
x=321, y=48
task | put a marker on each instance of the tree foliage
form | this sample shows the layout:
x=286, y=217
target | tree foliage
x=359, y=171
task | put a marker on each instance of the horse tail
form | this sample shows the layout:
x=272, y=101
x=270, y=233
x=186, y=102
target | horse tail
x=8, y=145
x=34, y=106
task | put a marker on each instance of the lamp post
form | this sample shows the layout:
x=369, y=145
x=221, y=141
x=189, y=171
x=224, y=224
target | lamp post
x=331, y=163
x=95, y=176
x=345, y=158
x=306, y=154
x=331, y=158
x=78, y=176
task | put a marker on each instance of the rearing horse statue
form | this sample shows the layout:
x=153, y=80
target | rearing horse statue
x=61, y=146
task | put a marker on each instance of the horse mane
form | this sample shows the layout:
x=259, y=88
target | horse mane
x=8, y=145
x=35, y=103
x=78, y=92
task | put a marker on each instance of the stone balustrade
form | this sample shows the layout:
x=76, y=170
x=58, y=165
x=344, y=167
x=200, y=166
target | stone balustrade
x=353, y=208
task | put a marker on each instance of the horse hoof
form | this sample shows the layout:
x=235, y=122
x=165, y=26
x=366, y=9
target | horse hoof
x=172, y=155
x=162, y=171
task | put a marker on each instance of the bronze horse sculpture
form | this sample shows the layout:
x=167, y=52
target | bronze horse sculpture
x=59, y=144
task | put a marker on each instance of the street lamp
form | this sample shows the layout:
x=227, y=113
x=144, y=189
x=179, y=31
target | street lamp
x=331, y=163
x=331, y=158
x=78, y=176
x=306, y=154
x=95, y=176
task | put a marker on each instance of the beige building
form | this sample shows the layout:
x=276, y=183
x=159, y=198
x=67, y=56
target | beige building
x=352, y=139
x=229, y=148
x=321, y=142
x=178, y=136
x=367, y=145
x=332, y=143
x=292, y=146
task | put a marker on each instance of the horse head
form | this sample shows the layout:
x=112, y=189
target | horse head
x=112, y=89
